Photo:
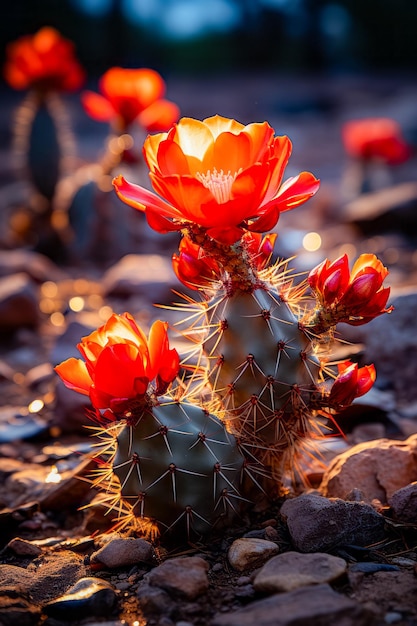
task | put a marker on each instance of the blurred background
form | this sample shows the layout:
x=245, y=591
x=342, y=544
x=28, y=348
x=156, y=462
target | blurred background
x=220, y=36
x=290, y=62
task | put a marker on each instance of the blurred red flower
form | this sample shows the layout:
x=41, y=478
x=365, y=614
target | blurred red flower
x=355, y=297
x=218, y=174
x=351, y=382
x=375, y=138
x=44, y=61
x=120, y=362
x=131, y=95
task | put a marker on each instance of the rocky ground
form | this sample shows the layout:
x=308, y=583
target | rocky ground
x=341, y=551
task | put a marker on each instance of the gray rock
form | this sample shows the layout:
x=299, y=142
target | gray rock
x=155, y=601
x=377, y=468
x=291, y=570
x=89, y=596
x=404, y=503
x=318, y=524
x=316, y=605
x=250, y=552
x=120, y=552
x=18, y=303
x=184, y=577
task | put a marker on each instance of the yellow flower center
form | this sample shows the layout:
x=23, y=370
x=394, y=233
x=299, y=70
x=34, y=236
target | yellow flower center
x=219, y=183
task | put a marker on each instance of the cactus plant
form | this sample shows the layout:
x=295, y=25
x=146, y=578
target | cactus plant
x=166, y=463
x=266, y=341
x=260, y=352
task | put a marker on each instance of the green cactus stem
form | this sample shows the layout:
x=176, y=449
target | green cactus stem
x=180, y=468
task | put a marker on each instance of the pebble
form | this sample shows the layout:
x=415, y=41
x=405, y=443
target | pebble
x=318, y=524
x=155, y=601
x=89, y=596
x=377, y=468
x=121, y=552
x=250, y=552
x=316, y=604
x=184, y=577
x=404, y=503
x=392, y=617
x=23, y=547
x=291, y=570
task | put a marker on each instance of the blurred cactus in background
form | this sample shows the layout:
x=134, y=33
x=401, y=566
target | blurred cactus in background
x=374, y=146
x=129, y=101
x=44, y=65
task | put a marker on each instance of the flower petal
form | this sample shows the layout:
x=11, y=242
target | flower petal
x=74, y=374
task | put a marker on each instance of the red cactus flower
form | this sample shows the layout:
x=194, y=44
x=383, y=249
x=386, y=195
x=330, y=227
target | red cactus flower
x=120, y=362
x=260, y=248
x=44, y=61
x=131, y=95
x=375, y=138
x=351, y=382
x=354, y=297
x=220, y=175
x=192, y=267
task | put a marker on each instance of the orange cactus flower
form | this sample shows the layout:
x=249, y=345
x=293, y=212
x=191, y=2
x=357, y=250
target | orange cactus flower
x=219, y=174
x=44, y=61
x=131, y=95
x=120, y=362
x=351, y=382
x=354, y=297
x=375, y=138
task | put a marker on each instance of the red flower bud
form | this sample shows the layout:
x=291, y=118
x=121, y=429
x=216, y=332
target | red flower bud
x=354, y=297
x=351, y=382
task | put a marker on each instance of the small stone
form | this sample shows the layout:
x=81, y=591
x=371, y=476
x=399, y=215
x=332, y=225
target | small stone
x=217, y=567
x=184, y=577
x=250, y=552
x=404, y=503
x=155, y=601
x=392, y=617
x=291, y=570
x=23, y=547
x=89, y=596
x=316, y=604
x=121, y=552
x=318, y=524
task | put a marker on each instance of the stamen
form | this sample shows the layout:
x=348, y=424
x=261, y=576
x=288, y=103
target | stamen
x=219, y=183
